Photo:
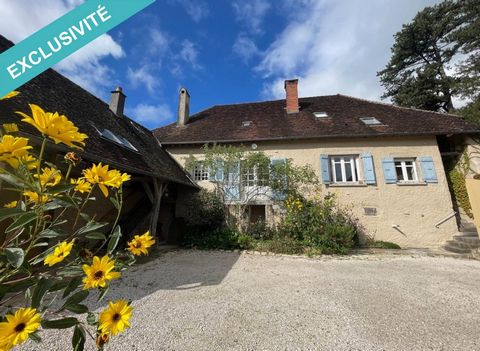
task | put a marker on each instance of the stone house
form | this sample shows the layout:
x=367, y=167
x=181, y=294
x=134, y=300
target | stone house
x=150, y=198
x=385, y=161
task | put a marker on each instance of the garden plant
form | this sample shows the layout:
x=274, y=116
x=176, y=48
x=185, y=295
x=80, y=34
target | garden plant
x=53, y=254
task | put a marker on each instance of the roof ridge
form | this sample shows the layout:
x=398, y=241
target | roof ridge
x=399, y=107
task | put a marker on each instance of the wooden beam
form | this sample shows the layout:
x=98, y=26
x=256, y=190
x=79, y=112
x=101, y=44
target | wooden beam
x=148, y=191
x=159, y=190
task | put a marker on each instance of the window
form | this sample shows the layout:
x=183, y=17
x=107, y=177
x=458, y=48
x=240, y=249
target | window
x=320, y=114
x=370, y=121
x=253, y=176
x=200, y=172
x=109, y=135
x=344, y=169
x=406, y=170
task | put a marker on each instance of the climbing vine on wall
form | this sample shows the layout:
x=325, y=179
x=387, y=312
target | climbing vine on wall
x=459, y=187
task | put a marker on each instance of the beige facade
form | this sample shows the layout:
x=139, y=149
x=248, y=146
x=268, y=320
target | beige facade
x=407, y=214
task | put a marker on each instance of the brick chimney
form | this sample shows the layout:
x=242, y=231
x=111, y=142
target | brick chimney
x=117, y=104
x=183, y=107
x=291, y=88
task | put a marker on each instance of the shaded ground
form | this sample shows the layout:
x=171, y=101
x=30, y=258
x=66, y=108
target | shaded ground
x=196, y=300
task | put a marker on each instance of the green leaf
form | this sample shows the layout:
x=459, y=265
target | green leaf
x=103, y=292
x=76, y=298
x=91, y=318
x=85, y=216
x=77, y=308
x=59, y=285
x=73, y=285
x=71, y=271
x=91, y=226
x=96, y=236
x=42, y=287
x=63, y=323
x=48, y=233
x=15, y=256
x=35, y=337
x=15, y=181
x=114, y=239
x=78, y=338
x=60, y=188
x=9, y=212
x=52, y=205
x=21, y=221
x=115, y=202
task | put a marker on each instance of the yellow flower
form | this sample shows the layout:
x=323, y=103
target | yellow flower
x=61, y=251
x=11, y=148
x=81, y=185
x=101, y=175
x=57, y=127
x=12, y=204
x=10, y=95
x=36, y=198
x=115, y=318
x=49, y=177
x=29, y=161
x=10, y=127
x=99, y=273
x=18, y=327
x=140, y=244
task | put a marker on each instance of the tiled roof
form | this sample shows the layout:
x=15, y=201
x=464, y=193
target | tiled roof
x=53, y=92
x=269, y=121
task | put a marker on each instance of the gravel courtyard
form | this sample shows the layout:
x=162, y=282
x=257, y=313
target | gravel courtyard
x=196, y=300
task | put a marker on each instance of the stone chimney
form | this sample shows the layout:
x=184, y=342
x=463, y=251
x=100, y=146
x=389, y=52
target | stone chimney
x=183, y=107
x=291, y=88
x=117, y=104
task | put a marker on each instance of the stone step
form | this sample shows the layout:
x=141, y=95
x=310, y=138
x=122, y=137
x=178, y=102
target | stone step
x=467, y=227
x=462, y=244
x=455, y=249
x=467, y=234
x=474, y=240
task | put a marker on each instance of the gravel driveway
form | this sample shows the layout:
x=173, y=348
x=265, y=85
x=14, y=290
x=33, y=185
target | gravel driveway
x=195, y=300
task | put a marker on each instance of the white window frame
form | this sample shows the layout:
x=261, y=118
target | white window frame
x=351, y=161
x=403, y=165
x=200, y=172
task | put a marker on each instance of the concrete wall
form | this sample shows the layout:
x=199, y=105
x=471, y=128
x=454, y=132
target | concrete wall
x=414, y=208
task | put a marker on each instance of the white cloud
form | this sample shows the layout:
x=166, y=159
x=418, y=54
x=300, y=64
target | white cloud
x=160, y=42
x=152, y=115
x=196, y=9
x=142, y=77
x=189, y=54
x=245, y=48
x=335, y=46
x=20, y=18
x=251, y=13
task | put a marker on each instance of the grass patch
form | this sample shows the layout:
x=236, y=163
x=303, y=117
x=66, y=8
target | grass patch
x=382, y=245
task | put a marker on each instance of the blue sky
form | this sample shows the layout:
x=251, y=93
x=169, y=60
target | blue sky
x=227, y=51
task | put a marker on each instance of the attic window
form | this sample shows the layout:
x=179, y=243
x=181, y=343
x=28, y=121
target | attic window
x=320, y=114
x=109, y=135
x=370, y=121
x=246, y=123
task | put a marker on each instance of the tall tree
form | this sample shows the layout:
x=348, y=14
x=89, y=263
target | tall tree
x=433, y=57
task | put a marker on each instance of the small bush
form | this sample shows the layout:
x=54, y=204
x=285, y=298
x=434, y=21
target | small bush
x=381, y=245
x=226, y=239
x=205, y=213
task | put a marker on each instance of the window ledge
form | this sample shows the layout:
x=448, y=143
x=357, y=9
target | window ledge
x=345, y=185
x=411, y=183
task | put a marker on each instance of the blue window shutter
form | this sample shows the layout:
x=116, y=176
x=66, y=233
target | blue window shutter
x=428, y=169
x=277, y=194
x=325, y=169
x=389, y=171
x=232, y=184
x=219, y=171
x=368, y=169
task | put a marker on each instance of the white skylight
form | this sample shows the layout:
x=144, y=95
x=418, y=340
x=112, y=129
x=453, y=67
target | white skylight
x=370, y=121
x=247, y=123
x=109, y=135
x=320, y=114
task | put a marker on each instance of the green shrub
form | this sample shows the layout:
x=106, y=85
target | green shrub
x=320, y=223
x=205, y=213
x=381, y=245
x=225, y=239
